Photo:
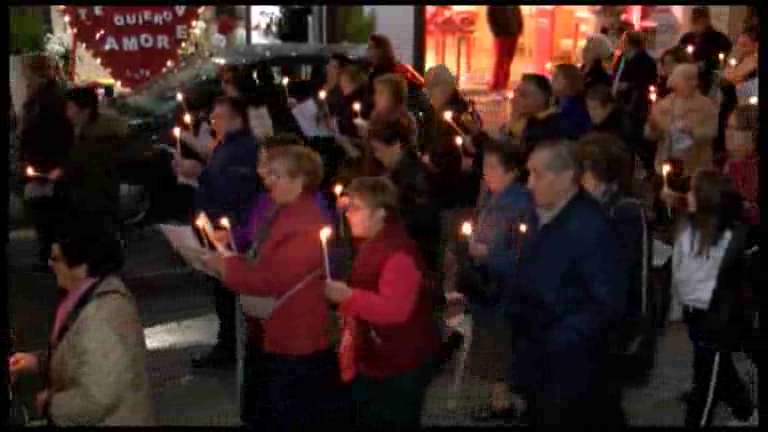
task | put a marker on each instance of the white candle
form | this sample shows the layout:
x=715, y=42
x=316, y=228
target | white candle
x=187, y=119
x=201, y=226
x=466, y=229
x=733, y=62
x=31, y=172
x=322, y=95
x=357, y=107
x=180, y=99
x=523, y=228
x=666, y=168
x=225, y=223
x=459, y=141
x=177, y=134
x=753, y=100
x=721, y=57
x=338, y=190
x=324, y=234
x=689, y=49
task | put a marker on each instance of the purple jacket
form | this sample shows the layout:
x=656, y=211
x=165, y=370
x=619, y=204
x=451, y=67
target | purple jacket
x=243, y=235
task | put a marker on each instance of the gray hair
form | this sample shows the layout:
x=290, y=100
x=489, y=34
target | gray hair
x=563, y=157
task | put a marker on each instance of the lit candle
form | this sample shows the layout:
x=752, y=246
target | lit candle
x=177, y=134
x=721, y=57
x=180, y=99
x=753, y=100
x=689, y=49
x=652, y=97
x=548, y=67
x=523, y=228
x=322, y=95
x=200, y=223
x=448, y=117
x=338, y=190
x=357, y=107
x=225, y=223
x=666, y=168
x=733, y=62
x=32, y=173
x=459, y=141
x=466, y=230
x=324, y=234
x=285, y=82
x=187, y=119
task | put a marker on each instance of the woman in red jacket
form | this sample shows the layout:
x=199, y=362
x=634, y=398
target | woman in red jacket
x=290, y=365
x=389, y=339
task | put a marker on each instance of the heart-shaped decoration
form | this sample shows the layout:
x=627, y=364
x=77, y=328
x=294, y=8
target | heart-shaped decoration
x=133, y=43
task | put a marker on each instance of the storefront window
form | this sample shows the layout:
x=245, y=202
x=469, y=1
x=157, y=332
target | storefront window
x=460, y=38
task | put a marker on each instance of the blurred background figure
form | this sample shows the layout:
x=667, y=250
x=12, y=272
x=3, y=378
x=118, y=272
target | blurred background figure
x=635, y=72
x=708, y=43
x=597, y=53
x=568, y=90
x=743, y=159
x=506, y=24
x=533, y=117
x=668, y=62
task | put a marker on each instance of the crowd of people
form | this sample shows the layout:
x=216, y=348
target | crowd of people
x=546, y=230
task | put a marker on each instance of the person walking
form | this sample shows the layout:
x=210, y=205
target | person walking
x=707, y=44
x=570, y=290
x=389, y=338
x=708, y=264
x=95, y=368
x=506, y=24
x=228, y=185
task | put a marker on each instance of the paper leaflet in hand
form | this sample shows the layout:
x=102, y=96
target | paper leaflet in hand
x=184, y=241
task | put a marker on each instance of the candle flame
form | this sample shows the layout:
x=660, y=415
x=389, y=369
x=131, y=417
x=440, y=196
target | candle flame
x=653, y=97
x=721, y=56
x=652, y=89
x=466, y=229
x=338, y=189
x=753, y=100
x=325, y=233
x=177, y=132
x=459, y=141
x=286, y=80
x=523, y=228
x=31, y=171
x=357, y=107
x=448, y=115
x=666, y=169
x=225, y=223
x=322, y=95
x=689, y=49
x=548, y=66
x=187, y=119
x=179, y=97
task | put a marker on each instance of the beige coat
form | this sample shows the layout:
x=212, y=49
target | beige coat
x=700, y=113
x=97, y=372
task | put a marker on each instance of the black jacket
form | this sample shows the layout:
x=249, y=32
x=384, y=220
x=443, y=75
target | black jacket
x=707, y=48
x=596, y=75
x=417, y=209
x=620, y=124
x=346, y=114
x=640, y=72
x=46, y=134
x=505, y=21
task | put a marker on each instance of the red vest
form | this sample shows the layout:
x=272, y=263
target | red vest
x=381, y=351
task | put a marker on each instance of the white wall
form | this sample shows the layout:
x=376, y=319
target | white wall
x=397, y=23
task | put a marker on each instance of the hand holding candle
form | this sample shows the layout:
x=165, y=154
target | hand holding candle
x=200, y=223
x=224, y=222
x=466, y=230
x=187, y=119
x=325, y=233
x=357, y=107
x=177, y=134
x=666, y=168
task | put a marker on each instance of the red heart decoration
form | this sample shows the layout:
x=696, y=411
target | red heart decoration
x=134, y=43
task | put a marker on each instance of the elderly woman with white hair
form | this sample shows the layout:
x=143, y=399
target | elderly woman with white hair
x=685, y=123
x=597, y=51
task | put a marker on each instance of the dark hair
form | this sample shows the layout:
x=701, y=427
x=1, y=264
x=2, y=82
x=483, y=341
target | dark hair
x=678, y=54
x=511, y=157
x=635, y=39
x=718, y=208
x=606, y=157
x=572, y=75
x=700, y=13
x=341, y=59
x=540, y=82
x=85, y=99
x=282, y=140
x=391, y=129
x=383, y=44
x=83, y=242
x=238, y=106
x=395, y=85
x=601, y=94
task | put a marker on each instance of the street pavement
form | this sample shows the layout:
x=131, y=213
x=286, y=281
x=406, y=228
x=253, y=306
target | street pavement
x=177, y=313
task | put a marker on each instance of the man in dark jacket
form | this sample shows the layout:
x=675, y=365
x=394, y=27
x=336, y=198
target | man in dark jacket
x=707, y=43
x=45, y=139
x=608, y=117
x=352, y=82
x=229, y=184
x=635, y=72
x=506, y=23
x=570, y=290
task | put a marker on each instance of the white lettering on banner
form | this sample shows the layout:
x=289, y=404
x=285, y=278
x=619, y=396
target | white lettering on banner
x=130, y=43
x=83, y=12
x=181, y=31
x=146, y=40
x=146, y=16
x=167, y=16
x=162, y=42
x=111, y=44
x=130, y=19
x=98, y=11
x=180, y=10
x=119, y=20
x=158, y=19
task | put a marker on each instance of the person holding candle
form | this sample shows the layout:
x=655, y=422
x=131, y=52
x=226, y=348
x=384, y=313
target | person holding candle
x=707, y=43
x=668, y=62
x=746, y=55
x=45, y=138
x=352, y=81
x=290, y=364
x=684, y=123
x=503, y=207
x=335, y=96
x=228, y=184
x=636, y=72
x=605, y=176
x=391, y=337
x=569, y=290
